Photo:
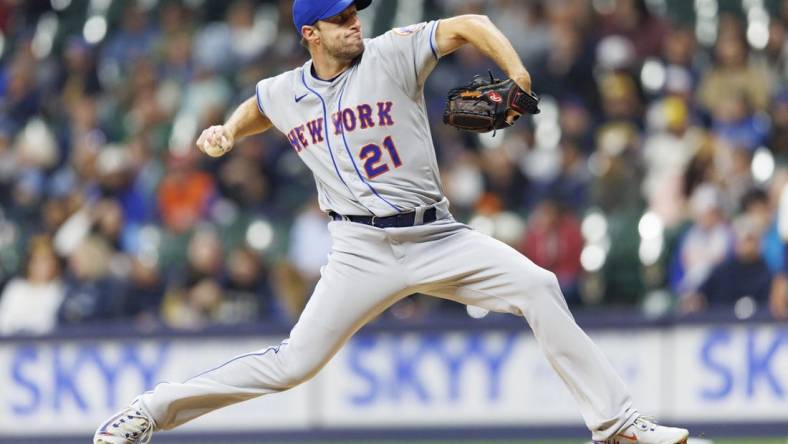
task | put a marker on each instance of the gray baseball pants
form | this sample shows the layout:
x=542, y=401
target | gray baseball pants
x=369, y=269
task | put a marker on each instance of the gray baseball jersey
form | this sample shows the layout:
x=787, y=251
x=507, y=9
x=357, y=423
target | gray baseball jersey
x=364, y=134
x=366, y=138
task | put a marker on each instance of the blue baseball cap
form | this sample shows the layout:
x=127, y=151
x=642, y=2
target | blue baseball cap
x=308, y=12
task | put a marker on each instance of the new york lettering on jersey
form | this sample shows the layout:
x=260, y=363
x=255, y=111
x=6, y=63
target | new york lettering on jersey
x=350, y=118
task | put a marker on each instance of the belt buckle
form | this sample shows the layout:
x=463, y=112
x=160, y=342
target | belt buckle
x=373, y=220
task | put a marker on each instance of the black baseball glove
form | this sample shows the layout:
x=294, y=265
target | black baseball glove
x=487, y=105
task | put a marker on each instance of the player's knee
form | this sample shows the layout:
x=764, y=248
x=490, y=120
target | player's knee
x=295, y=379
x=551, y=282
x=553, y=287
x=298, y=374
x=544, y=283
x=540, y=289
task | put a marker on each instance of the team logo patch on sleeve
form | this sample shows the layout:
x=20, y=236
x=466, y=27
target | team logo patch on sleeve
x=408, y=30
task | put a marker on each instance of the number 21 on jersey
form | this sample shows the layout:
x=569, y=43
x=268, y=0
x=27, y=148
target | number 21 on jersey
x=375, y=163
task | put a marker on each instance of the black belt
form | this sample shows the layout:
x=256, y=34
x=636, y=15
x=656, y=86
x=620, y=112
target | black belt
x=397, y=220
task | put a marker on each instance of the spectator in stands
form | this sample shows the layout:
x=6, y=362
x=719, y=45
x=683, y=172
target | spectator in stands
x=241, y=37
x=241, y=180
x=667, y=151
x=29, y=304
x=204, y=260
x=745, y=274
x=310, y=244
x=136, y=38
x=109, y=225
x=776, y=51
x=144, y=293
x=103, y=219
x=682, y=70
x=78, y=76
x=175, y=17
x=733, y=168
x=735, y=123
x=194, y=307
x=620, y=101
x=185, y=194
x=570, y=186
x=525, y=24
x=576, y=124
x=248, y=296
x=115, y=180
x=35, y=154
x=707, y=242
x=679, y=51
x=633, y=20
x=757, y=206
x=177, y=62
x=21, y=94
x=83, y=136
x=778, y=300
x=732, y=75
x=194, y=294
x=505, y=176
x=567, y=71
x=464, y=181
x=553, y=241
x=615, y=185
x=7, y=163
x=778, y=141
x=92, y=294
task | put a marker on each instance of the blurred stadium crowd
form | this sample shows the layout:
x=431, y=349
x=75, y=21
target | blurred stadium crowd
x=653, y=179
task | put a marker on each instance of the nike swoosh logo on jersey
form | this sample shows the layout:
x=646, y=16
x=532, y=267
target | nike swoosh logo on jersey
x=298, y=99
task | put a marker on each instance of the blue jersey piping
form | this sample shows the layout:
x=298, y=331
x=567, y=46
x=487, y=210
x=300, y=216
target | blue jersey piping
x=259, y=101
x=432, y=36
x=326, y=124
x=347, y=148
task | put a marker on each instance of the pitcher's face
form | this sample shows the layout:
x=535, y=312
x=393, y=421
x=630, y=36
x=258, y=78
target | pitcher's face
x=340, y=35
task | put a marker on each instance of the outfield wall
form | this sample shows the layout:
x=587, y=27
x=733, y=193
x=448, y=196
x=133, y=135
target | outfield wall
x=492, y=377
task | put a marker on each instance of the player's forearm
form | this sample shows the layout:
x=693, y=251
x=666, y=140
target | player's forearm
x=482, y=33
x=247, y=120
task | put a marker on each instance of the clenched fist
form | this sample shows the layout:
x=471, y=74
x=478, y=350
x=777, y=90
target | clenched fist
x=215, y=141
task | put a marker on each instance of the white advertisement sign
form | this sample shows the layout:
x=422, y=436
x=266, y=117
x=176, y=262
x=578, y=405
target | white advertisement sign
x=709, y=373
x=482, y=378
x=71, y=386
x=730, y=373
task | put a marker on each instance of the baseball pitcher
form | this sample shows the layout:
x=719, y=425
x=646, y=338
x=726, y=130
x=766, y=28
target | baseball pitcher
x=355, y=114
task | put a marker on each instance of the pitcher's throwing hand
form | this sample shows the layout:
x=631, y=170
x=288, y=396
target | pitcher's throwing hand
x=215, y=141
